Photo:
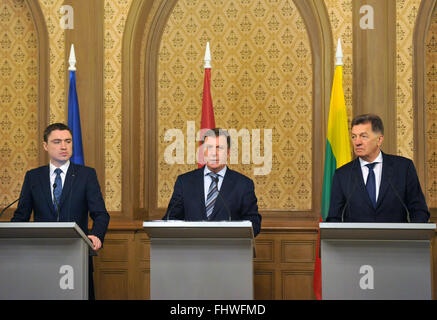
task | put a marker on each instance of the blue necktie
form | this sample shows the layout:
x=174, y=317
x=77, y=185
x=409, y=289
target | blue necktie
x=371, y=184
x=57, y=191
x=212, y=194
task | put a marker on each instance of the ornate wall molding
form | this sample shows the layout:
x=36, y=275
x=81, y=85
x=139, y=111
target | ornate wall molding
x=154, y=16
x=423, y=20
x=43, y=73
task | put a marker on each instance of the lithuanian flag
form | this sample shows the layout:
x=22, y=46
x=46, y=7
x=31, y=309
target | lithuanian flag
x=337, y=152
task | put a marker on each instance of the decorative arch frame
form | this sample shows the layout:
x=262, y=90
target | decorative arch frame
x=146, y=21
x=43, y=72
x=423, y=21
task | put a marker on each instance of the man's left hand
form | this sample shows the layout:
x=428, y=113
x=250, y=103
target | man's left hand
x=97, y=244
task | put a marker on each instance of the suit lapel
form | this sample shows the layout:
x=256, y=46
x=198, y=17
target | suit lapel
x=199, y=184
x=66, y=188
x=44, y=179
x=387, y=173
x=359, y=176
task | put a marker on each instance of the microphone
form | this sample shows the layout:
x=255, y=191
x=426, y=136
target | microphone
x=4, y=209
x=402, y=202
x=350, y=194
x=56, y=201
x=223, y=200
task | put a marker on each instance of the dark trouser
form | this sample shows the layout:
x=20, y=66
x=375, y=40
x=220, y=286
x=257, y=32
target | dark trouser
x=91, y=295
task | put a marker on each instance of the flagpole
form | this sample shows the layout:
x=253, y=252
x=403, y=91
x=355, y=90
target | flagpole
x=337, y=153
x=207, y=121
x=72, y=59
x=73, y=112
x=339, y=54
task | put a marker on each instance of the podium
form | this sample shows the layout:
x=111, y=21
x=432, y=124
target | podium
x=376, y=260
x=200, y=260
x=41, y=260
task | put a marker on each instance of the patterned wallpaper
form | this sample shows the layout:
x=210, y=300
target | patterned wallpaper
x=406, y=11
x=115, y=14
x=431, y=113
x=18, y=97
x=261, y=79
x=58, y=67
x=340, y=17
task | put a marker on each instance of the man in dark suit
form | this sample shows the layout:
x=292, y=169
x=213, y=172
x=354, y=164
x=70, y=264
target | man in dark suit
x=375, y=187
x=64, y=191
x=214, y=192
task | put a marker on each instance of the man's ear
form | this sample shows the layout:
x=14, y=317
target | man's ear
x=44, y=144
x=380, y=140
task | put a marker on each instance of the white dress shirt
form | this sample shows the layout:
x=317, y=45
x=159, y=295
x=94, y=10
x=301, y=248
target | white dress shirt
x=52, y=173
x=208, y=179
x=377, y=169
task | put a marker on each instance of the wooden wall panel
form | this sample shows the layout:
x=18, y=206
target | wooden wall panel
x=116, y=250
x=113, y=284
x=141, y=266
x=287, y=256
x=297, y=285
x=113, y=272
x=264, y=285
x=374, y=68
x=297, y=251
x=283, y=266
x=264, y=251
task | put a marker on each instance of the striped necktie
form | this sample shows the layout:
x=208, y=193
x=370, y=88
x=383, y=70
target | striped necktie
x=212, y=194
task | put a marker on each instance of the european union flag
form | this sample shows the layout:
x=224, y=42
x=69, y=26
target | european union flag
x=74, y=121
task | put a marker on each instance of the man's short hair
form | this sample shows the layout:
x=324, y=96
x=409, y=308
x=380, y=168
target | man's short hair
x=375, y=120
x=216, y=132
x=53, y=127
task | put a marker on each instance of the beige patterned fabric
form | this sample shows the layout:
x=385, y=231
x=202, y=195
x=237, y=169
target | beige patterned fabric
x=18, y=97
x=340, y=17
x=58, y=68
x=115, y=14
x=261, y=79
x=406, y=12
x=431, y=113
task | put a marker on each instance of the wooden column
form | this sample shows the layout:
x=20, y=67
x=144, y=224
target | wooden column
x=87, y=37
x=374, y=68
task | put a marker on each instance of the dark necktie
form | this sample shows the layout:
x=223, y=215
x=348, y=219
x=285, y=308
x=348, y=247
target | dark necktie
x=212, y=194
x=57, y=191
x=371, y=183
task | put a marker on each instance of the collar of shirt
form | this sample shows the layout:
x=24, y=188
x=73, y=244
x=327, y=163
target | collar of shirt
x=377, y=160
x=52, y=176
x=221, y=173
x=64, y=168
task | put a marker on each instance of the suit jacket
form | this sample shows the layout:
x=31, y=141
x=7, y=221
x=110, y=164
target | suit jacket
x=238, y=193
x=399, y=186
x=80, y=194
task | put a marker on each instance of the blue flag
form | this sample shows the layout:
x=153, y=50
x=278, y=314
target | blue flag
x=74, y=121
